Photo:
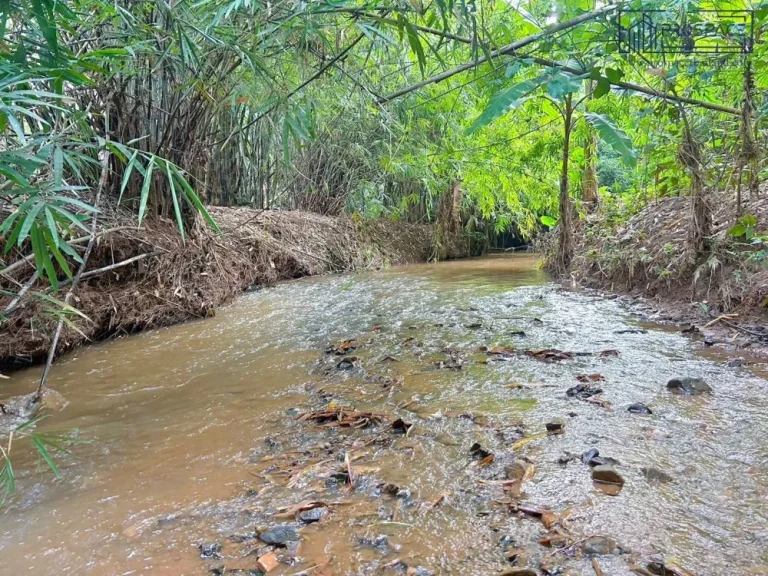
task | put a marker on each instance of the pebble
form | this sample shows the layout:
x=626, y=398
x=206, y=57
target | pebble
x=656, y=476
x=518, y=572
x=688, y=386
x=639, y=408
x=735, y=362
x=313, y=515
x=607, y=474
x=279, y=535
x=210, y=551
x=598, y=546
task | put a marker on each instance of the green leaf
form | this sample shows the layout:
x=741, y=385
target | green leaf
x=193, y=198
x=127, y=174
x=602, y=87
x=562, y=84
x=42, y=258
x=46, y=456
x=501, y=102
x=548, y=221
x=176, y=207
x=145, y=189
x=415, y=42
x=737, y=231
x=613, y=75
x=614, y=137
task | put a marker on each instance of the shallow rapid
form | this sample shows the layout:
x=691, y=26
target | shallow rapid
x=195, y=437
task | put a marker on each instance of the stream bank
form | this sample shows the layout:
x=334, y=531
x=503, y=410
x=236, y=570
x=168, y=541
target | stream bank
x=166, y=280
x=644, y=260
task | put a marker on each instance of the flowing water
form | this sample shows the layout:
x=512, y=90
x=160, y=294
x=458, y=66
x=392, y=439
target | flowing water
x=194, y=437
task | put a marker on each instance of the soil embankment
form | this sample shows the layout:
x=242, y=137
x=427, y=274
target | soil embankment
x=646, y=258
x=159, y=279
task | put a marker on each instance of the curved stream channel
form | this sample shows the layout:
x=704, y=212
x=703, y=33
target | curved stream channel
x=195, y=438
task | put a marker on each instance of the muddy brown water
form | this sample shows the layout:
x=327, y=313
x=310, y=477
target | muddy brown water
x=194, y=438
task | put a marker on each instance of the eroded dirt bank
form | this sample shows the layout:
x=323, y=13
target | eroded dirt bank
x=165, y=280
x=723, y=294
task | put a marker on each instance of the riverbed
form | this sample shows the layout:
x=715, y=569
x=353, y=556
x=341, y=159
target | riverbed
x=195, y=436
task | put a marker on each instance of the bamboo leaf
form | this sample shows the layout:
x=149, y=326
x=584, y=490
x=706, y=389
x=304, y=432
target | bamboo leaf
x=504, y=101
x=614, y=137
x=145, y=188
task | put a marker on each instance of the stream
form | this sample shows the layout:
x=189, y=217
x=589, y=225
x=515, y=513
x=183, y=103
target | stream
x=195, y=436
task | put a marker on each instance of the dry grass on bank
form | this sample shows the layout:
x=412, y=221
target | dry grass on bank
x=170, y=281
x=647, y=255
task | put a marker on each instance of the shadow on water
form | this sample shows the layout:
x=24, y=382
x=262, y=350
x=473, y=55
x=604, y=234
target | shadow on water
x=194, y=435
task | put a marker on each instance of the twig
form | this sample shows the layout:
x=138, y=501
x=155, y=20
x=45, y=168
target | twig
x=98, y=271
x=24, y=289
x=596, y=567
x=92, y=240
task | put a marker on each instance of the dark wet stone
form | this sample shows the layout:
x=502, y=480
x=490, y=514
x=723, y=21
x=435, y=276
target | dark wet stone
x=709, y=342
x=347, y=363
x=518, y=572
x=735, y=362
x=606, y=474
x=518, y=333
x=582, y=391
x=598, y=546
x=567, y=457
x=403, y=494
x=279, y=535
x=313, y=515
x=688, y=386
x=478, y=451
x=590, y=455
x=656, y=476
x=555, y=427
x=639, y=408
x=631, y=331
x=380, y=542
x=210, y=551
x=474, y=326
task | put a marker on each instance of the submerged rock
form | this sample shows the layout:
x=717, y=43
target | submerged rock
x=210, y=551
x=656, y=476
x=639, y=408
x=517, y=470
x=687, y=386
x=518, y=572
x=279, y=535
x=588, y=456
x=735, y=362
x=598, y=546
x=606, y=474
x=313, y=515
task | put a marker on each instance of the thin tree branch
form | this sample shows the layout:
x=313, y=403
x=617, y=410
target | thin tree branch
x=509, y=49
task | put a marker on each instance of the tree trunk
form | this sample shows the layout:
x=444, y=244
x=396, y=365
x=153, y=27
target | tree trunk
x=565, y=240
x=589, y=184
x=700, y=222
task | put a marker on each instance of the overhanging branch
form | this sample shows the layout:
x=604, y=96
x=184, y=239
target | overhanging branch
x=510, y=49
